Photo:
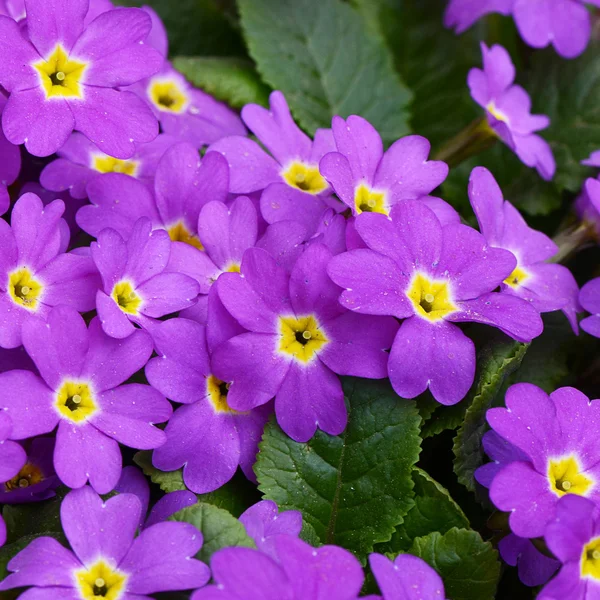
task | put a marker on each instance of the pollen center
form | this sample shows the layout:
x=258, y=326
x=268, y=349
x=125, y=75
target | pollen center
x=497, y=114
x=75, y=401
x=180, y=233
x=126, y=298
x=590, y=559
x=217, y=394
x=301, y=337
x=24, y=289
x=168, y=96
x=100, y=582
x=60, y=75
x=27, y=476
x=305, y=177
x=368, y=200
x=432, y=299
x=565, y=477
x=108, y=164
x=516, y=278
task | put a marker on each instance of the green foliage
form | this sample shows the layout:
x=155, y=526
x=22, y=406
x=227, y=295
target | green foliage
x=168, y=481
x=219, y=528
x=353, y=489
x=321, y=55
x=468, y=565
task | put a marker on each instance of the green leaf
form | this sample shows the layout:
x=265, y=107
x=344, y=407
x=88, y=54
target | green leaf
x=434, y=510
x=353, y=489
x=232, y=80
x=327, y=62
x=168, y=481
x=219, y=528
x=9, y=551
x=500, y=361
x=468, y=565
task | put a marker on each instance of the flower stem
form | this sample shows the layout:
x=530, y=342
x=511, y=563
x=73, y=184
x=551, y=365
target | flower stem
x=473, y=139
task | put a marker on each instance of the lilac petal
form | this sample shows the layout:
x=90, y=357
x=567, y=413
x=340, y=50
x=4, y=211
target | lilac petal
x=133, y=481
x=97, y=528
x=221, y=326
x=41, y=125
x=50, y=593
x=443, y=211
x=157, y=38
x=571, y=28
x=205, y=443
x=17, y=55
x=523, y=492
x=160, y=559
x=568, y=583
x=177, y=381
x=283, y=241
x=534, y=567
x=438, y=356
x=487, y=202
x=250, y=428
x=515, y=317
x=336, y=169
x=32, y=413
x=250, y=167
x=147, y=251
x=9, y=252
x=166, y=293
x=82, y=452
x=358, y=345
x=109, y=362
x=5, y=427
x=11, y=322
x=43, y=562
x=58, y=346
x=114, y=120
x=192, y=262
x=498, y=67
x=310, y=396
x=109, y=253
x=12, y=458
x=591, y=325
x=373, y=283
x=115, y=323
x=534, y=151
x=169, y=504
x=479, y=87
x=61, y=175
x=461, y=14
x=251, y=363
x=589, y=297
x=515, y=103
x=501, y=450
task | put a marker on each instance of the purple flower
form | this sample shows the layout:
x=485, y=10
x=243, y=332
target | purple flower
x=106, y=559
x=406, y=578
x=80, y=161
x=557, y=435
x=63, y=75
x=299, y=337
x=574, y=538
x=368, y=180
x=133, y=481
x=137, y=286
x=293, y=187
x=35, y=272
x=548, y=287
x=10, y=164
x=432, y=276
x=507, y=108
x=264, y=523
x=205, y=437
x=589, y=297
x=16, y=9
x=565, y=24
x=300, y=572
x=587, y=204
x=169, y=504
x=80, y=391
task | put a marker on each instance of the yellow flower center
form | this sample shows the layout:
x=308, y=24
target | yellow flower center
x=60, y=75
x=217, y=394
x=232, y=268
x=28, y=475
x=304, y=177
x=516, y=278
x=491, y=108
x=565, y=477
x=75, y=401
x=124, y=295
x=100, y=582
x=431, y=299
x=368, y=200
x=301, y=337
x=103, y=163
x=168, y=96
x=24, y=289
x=590, y=559
x=180, y=233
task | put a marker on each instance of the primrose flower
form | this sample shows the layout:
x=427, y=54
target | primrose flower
x=63, y=75
x=80, y=161
x=80, y=391
x=169, y=504
x=566, y=24
x=10, y=164
x=407, y=577
x=507, y=109
x=547, y=287
x=294, y=190
x=106, y=560
x=587, y=205
x=557, y=436
x=205, y=436
x=431, y=276
x=16, y=9
x=137, y=286
x=299, y=339
x=299, y=572
x=368, y=180
x=589, y=297
x=35, y=272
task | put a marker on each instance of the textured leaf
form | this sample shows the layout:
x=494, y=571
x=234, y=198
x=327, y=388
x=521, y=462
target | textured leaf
x=219, y=528
x=232, y=80
x=9, y=551
x=434, y=510
x=324, y=59
x=353, y=489
x=168, y=481
x=468, y=565
x=502, y=359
